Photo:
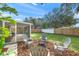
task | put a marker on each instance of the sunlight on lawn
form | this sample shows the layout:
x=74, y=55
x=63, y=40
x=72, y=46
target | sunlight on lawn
x=35, y=36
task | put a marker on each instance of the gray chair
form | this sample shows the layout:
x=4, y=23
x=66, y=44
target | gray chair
x=43, y=40
x=26, y=40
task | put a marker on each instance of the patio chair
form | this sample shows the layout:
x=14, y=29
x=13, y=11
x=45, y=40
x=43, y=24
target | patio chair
x=64, y=45
x=26, y=40
x=43, y=39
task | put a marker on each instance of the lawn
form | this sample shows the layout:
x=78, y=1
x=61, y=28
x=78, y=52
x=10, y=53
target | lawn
x=60, y=38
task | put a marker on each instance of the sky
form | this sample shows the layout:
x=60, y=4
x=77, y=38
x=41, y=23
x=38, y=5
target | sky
x=31, y=10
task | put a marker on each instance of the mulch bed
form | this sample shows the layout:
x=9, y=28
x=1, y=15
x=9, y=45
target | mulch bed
x=22, y=50
x=66, y=52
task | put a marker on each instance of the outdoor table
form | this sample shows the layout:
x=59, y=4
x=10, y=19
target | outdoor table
x=38, y=51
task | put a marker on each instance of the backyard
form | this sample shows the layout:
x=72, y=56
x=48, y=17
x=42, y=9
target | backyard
x=26, y=36
x=59, y=38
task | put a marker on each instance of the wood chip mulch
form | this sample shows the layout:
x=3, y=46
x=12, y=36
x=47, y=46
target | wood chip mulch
x=22, y=50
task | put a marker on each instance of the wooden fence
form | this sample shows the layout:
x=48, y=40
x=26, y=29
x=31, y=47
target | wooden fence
x=67, y=31
x=36, y=30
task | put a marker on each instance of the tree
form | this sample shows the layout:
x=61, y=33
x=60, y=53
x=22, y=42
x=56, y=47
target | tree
x=31, y=20
x=74, y=6
x=5, y=8
x=58, y=17
x=68, y=11
x=62, y=16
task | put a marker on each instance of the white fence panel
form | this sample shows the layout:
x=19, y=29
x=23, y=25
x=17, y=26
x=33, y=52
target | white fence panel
x=49, y=30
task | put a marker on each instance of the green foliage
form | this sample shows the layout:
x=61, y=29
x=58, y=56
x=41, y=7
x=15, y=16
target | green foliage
x=4, y=32
x=74, y=6
x=45, y=25
x=9, y=19
x=5, y=8
x=62, y=16
x=2, y=41
x=58, y=17
x=35, y=21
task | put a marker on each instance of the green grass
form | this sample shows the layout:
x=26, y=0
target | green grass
x=60, y=38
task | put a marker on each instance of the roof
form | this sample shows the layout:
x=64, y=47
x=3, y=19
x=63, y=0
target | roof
x=24, y=22
x=20, y=22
